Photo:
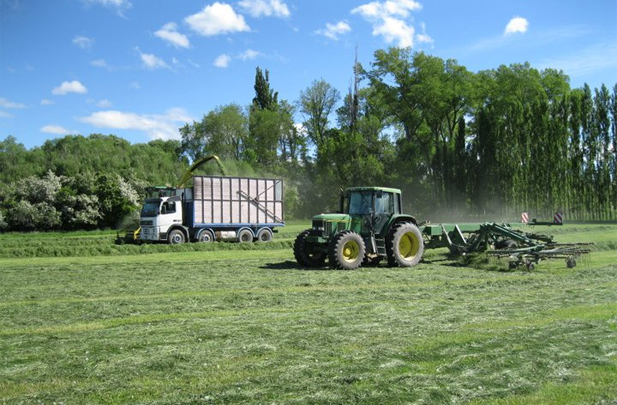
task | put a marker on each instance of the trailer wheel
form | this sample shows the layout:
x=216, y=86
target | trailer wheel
x=346, y=251
x=176, y=237
x=304, y=254
x=245, y=236
x=264, y=235
x=404, y=245
x=205, y=236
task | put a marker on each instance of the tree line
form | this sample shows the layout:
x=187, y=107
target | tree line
x=459, y=144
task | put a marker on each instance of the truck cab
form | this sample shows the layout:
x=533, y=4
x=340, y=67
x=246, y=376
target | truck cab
x=161, y=219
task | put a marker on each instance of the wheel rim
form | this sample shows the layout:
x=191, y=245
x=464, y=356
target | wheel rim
x=351, y=250
x=409, y=246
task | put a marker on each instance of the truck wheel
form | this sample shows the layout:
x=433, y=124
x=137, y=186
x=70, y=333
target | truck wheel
x=205, y=236
x=346, y=251
x=303, y=252
x=264, y=235
x=404, y=245
x=245, y=236
x=175, y=237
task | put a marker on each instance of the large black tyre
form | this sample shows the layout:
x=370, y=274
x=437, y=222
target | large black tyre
x=176, y=237
x=346, y=251
x=304, y=254
x=245, y=236
x=404, y=245
x=205, y=236
x=506, y=244
x=264, y=235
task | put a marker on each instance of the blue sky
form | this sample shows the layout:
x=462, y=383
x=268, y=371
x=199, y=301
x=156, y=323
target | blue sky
x=140, y=69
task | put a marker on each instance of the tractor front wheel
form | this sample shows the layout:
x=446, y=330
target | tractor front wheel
x=346, y=251
x=304, y=254
x=404, y=245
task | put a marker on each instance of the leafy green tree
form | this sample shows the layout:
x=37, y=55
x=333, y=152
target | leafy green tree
x=227, y=131
x=17, y=162
x=316, y=104
x=292, y=142
x=265, y=98
x=117, y=199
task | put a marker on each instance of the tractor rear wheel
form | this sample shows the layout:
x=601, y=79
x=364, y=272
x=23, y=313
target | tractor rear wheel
x=304, y=254
x=346, y=251
x=404, y=245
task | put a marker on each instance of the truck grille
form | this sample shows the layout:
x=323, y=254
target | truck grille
x=146, y=222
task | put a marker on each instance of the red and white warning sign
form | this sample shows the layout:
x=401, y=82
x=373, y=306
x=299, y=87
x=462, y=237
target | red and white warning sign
x=524, y=217
x=558, y=218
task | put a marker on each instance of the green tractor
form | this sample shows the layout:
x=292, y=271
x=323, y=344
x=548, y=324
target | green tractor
x=369, y=228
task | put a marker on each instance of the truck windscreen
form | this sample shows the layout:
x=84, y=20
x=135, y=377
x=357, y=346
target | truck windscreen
x=151, y=208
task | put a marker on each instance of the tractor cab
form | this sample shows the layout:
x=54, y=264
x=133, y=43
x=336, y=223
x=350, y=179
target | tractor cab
x=370, y=209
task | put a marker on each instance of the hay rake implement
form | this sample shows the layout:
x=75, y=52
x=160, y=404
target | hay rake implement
x=500, y=240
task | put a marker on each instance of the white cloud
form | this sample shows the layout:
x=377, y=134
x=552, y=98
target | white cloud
x=47, y=102
x=4, y=103
x=5, y=114
x=216, y=19
x=101, y=63
x=112, y=3
x=222, y=61
x=152, y=62
x=55, y=129
x=69, y=87
x=104, y=103
x=333, y=31
x=585, y=61
x=517, y=25
x=395, y=30
x=388, y=20
x=119, y=5
x=422, y=37
x=249, y=54
x=169, y=32
x=156, y=126
x=267, y=8
x=83, y=42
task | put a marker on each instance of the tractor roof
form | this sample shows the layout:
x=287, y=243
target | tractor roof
x=384, y=189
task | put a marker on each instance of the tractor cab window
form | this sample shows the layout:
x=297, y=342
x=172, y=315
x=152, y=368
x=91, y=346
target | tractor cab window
x=361, y=203
x=384, y=203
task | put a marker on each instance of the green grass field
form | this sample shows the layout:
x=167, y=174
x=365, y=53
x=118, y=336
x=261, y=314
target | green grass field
x=85, y=321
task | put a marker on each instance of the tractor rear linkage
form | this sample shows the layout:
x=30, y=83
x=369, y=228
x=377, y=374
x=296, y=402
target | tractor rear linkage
x=499, y=240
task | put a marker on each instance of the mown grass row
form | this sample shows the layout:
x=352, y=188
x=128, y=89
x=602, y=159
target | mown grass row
x=102, y=243
x=107, y=247
x=98, y=243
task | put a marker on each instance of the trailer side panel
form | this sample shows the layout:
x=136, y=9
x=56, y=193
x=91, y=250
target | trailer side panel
x=237, y=200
